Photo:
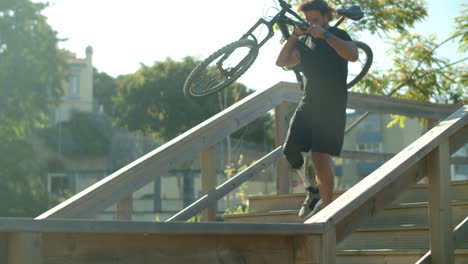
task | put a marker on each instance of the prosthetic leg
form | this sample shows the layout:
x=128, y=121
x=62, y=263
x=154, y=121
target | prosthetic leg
x=312, y=193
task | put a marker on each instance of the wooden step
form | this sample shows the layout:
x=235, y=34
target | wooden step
x=414, y=214
x=418, y=193
x=396, y=238
x=387, y=256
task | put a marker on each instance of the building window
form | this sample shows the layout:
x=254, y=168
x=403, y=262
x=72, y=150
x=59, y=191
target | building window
x=58, y=183
x=365, y=168
x=74, y=87
x=369, y=147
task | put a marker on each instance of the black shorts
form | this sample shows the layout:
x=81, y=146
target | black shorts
x=316, y=127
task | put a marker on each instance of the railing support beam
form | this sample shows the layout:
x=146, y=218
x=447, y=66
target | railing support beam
x=282, y=169
x=440, y=210
x=209, y=183
x=124, y=208
x=316, y=249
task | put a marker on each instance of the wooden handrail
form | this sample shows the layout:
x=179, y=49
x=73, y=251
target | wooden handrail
x=386, y=105
x=367, y=197
x=380, y=156
x=227, y=187
x=12, y=224
x=137, y=174
x=132, y=177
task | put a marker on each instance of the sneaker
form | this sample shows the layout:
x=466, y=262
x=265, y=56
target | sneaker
x=313, y=196
x=318, y=206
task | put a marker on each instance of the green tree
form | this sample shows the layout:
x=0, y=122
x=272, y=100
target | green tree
x=31, y=71
x=104, y=88
x=384, y=16
x=22, y=191
x=84, y=134
x=151, y=101
x=418, y=71
x=31, y=67
x=462, y=28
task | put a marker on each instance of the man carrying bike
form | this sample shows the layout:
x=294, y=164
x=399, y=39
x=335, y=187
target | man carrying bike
x=318, y=123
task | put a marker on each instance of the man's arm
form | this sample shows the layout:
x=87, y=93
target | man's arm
x=289, y=55
x=346, y=49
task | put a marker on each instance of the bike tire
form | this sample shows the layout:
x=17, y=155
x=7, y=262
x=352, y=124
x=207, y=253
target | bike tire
x=367, y=63
x=197, y=85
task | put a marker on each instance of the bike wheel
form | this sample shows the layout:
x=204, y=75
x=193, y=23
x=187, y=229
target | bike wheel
x=357, y=70
x=221, y=68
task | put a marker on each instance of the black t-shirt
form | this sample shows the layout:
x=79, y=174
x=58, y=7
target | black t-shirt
x=322, y=67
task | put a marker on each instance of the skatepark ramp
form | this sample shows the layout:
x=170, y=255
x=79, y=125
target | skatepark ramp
x=68, y=234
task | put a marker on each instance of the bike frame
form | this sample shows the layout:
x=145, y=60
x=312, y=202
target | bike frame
x=282, y=21
x=279, y=18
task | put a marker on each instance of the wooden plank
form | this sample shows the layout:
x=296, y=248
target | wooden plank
x=316, y=249
x=328, y=247
x=227, y=186
x=76, y=248
x=282, y=168
x=393, y=105
x=377, y=156
x=440, y=209
x=102, y=226
x=124, y=208
x=363, y=155
x=209, y=181
x=385, y=104
x=366, y=197
x=25, y=248
x=305, y=249
x=137, y=174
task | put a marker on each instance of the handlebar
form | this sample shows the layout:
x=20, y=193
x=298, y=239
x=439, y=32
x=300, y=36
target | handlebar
x=287, y=7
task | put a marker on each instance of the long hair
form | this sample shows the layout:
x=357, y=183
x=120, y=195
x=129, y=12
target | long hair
x=320, y=5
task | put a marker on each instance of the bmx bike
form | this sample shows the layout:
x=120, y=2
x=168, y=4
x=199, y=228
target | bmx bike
x=227, y=64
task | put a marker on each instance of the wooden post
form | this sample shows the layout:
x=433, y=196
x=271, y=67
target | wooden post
x=25, y=248
x=157, y=203
x=316, y=249
x=440, y=210
x=209, y=181
x=282, y=169
x=328, y=247
x=124, y=208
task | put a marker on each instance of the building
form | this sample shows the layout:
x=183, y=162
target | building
x=77, y=90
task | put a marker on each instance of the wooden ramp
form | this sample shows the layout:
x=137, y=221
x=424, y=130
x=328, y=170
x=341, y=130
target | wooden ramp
x=57, y=241
x=67, y=233
x=397, y=234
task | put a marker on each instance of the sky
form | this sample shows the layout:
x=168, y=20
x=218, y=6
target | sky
x=125, y=34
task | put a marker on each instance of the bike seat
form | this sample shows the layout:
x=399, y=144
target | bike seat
x=353, y=12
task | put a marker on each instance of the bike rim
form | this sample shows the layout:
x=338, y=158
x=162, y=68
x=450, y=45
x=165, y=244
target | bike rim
x=222, y=69
x=358, y=69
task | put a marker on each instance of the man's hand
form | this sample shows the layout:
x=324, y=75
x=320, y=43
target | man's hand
x=298, y=32
x=316, y=31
